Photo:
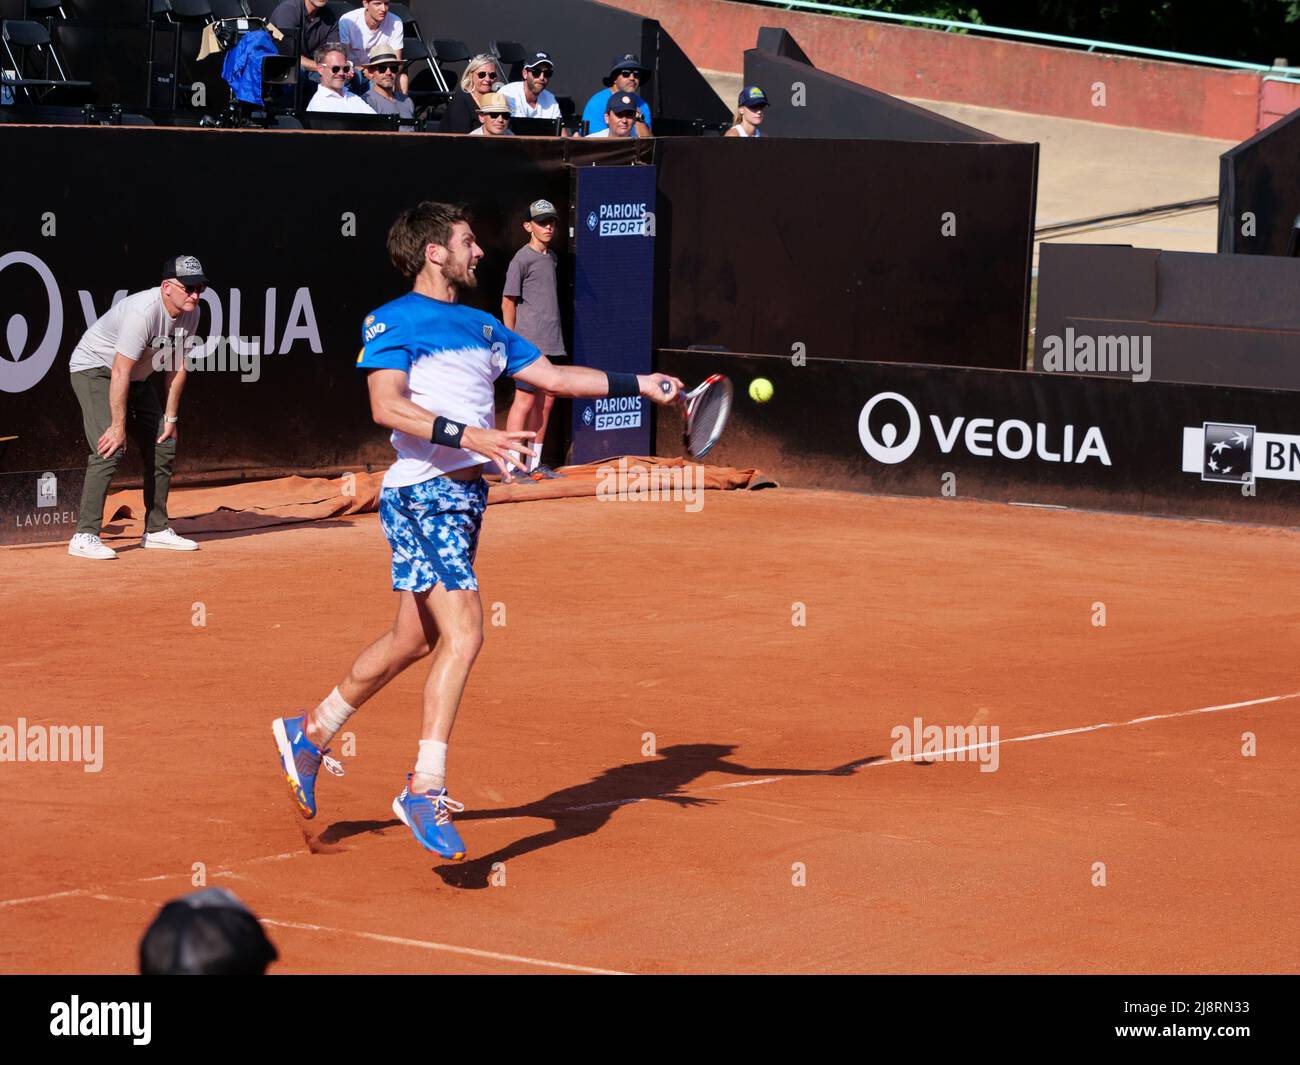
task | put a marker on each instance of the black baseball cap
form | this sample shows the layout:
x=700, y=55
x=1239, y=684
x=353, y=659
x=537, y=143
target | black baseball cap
x=623, y=101
x=627, y=61
x=186, y=269
x=539, y=59
x=206, y=933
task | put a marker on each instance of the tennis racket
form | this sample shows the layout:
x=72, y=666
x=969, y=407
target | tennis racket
x=704, y=414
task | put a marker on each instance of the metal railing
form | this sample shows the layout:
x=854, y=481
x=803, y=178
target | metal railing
x=1031, y=35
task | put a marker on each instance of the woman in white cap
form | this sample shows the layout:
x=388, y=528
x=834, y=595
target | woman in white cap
x=749, y=113
x=480, y=78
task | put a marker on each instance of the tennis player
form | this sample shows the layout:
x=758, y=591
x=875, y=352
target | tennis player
x=431, y=364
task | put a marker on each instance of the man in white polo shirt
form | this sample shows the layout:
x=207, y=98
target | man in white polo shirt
x=333, y=95
x=531, y=98
x=369, y=29
x=110, y=368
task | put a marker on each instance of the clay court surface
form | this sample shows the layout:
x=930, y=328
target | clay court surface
x=640, y=617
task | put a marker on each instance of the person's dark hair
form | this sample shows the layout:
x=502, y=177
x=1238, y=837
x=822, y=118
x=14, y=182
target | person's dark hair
x=416, y=228
x=328, y=48
x=206, y=933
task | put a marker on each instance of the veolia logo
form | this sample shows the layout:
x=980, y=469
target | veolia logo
x=21, y=369
x=886, y=449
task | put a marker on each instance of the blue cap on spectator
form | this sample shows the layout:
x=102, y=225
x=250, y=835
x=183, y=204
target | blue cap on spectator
x=620, y=102
x=752, y=96
x=626, y=61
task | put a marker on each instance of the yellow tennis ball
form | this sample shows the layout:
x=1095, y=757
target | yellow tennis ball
x=760, y=390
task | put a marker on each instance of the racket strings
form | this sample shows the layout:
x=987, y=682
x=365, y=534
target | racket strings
x=707, y=418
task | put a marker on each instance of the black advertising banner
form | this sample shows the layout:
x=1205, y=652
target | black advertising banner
x=289, y=226
x=883, y=251
x=613, y=303
x=1012, y=436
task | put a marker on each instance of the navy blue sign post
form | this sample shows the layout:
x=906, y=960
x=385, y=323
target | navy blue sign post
x=613, y=303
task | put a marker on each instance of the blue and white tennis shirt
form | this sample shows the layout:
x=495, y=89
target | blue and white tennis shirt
x=451, y=354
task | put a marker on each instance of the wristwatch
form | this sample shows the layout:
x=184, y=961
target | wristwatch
x=170, y=420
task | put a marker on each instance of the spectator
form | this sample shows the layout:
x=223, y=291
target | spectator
x=530, y=98
x=206, y=933
x=369, y=29
x=620, y=116
x=307, y=23
x=384, y=96
x=530, y=306
x=626, y=75
x=749, y=113
x=332, y=94
x=493, y=116
x=479, y=79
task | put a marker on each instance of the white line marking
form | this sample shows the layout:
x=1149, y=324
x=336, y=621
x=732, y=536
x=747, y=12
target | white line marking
x=422, y=944
x=42, y=898
x=402, y=941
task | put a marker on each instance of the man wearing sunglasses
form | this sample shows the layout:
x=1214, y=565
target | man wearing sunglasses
x=109, y=371
x=369, y=29
x=530, y=98
x=384, y=96
x=493, y=116
x=626, y=76
x=333, y=95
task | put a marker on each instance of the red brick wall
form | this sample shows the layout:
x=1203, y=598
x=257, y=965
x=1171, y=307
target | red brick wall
x=989, y=72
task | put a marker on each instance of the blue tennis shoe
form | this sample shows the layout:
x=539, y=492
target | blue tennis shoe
x=300, y=759
x=428, y=815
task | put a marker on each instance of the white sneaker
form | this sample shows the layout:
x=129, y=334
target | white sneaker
x=88, y=545
x=168, y=539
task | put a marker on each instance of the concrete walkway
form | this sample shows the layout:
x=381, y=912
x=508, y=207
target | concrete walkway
x=1087, y=169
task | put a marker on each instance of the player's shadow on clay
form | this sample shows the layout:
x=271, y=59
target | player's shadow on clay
x=586, y=808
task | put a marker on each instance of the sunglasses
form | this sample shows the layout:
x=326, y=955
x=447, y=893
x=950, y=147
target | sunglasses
x=490, y=115
x=387, y=68
x=346, y=68
x=191, y=290
x=541, y=72
x=486, y=74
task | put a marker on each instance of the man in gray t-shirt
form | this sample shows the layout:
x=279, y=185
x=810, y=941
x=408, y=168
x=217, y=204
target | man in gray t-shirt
x=530, y=306
x=110, y=367
x=384, y=96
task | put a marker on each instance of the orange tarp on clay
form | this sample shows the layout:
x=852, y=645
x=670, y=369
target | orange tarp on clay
x=285, y=500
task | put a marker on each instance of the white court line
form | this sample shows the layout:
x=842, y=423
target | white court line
x=402, y=941
x=422, y=944
x=772, y=780
x=43, y=898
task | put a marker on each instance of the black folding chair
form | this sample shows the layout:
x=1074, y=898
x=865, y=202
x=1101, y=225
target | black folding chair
x=180, y=15
x=41, y=76
x=510, y=56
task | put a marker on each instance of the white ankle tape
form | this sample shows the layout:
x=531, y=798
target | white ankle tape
x=433, y=759
x=333, y=712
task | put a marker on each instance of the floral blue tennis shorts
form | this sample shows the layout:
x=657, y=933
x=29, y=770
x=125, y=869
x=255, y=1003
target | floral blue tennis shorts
x=433, y=530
